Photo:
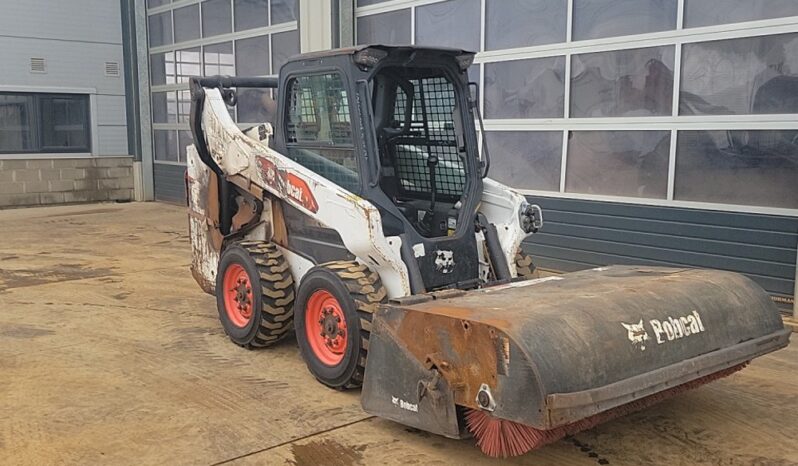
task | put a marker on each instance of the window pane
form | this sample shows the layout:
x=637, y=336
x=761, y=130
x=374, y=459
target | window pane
x=525, y=88
x=252, y=56
x=607, y=18
x=217, y=18
x=284, y=46
x=519, y=23
x=706, y=13
x=154, y=3
x=618, y=163
x=165, y=145
x=162, y=68
x=65, y=122
x=256, y=106
x=160, y=29
x=219, y=59
x=454, y=23
x=526, y=159
x=187, y=23
x=283, y=11
x=369, y=2
x=392, y=28
x=17, y=123
x=187, y=64
x=183, y=106
x=251, y=14
x=164, y=107
x=754, y=75
x=184, y=139
x=738, y=167
x=318, y=114
x=637, y=82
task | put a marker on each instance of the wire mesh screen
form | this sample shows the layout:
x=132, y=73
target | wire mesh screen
x=431, y=133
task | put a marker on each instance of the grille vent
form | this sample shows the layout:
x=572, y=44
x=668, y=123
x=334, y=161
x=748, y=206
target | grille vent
x=38, y=65
x=112, y=69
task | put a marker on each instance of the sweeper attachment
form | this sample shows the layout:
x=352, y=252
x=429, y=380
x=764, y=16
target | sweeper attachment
x=365, y=224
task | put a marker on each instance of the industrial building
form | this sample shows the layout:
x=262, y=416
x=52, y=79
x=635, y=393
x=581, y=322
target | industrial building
x=649, y=131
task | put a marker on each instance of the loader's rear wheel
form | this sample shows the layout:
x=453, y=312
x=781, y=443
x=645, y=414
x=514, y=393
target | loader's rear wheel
x=524, y=266
x=334, y=305
x=254, y=294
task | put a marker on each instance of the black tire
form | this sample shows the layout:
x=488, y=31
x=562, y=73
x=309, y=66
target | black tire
x=359, y=291
x=524, y=266
x=272, y=308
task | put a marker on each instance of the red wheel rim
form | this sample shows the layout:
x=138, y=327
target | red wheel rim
x=238, y=302
x=325, y=327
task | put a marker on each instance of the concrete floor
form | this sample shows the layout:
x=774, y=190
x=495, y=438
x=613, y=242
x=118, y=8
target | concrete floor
x=110, y=354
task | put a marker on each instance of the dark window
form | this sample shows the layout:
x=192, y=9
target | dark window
x=252, y=56
x=217, y=17
x=746, y=76
x=635, y=82
x=319, y=130
x=520, y=23
x=165, y=145
x=532, y=88
x=392, y=28
x=283, y=11
x=618, y=163
x=284, y=46
x=707, y=13
x=608, y=18
x=526, y=159
x=44, y=123
x=454, y=23
x=160, y=29
x=738, y=167
x=187, y=20
x=251, y=14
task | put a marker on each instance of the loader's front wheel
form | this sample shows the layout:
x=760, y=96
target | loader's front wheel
x=254, y=294
x=335, y=302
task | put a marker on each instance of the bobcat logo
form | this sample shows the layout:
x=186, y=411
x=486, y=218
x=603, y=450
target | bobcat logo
x=637, y=334
x=444, y=261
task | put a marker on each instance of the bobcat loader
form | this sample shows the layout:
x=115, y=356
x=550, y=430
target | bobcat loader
x=364, y=222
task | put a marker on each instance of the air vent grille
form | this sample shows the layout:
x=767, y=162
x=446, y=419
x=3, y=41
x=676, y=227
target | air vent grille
x=38, y=65
x=112, y=69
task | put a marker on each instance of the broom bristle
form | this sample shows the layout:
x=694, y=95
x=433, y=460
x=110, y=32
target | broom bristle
x=502, y=438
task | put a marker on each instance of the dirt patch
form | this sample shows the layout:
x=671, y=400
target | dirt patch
x=24, y=331
x=83, y=212
x=18, y=278
x=326, y=452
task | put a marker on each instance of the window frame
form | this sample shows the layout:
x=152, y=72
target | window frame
x=38, y=128
x=354, y=146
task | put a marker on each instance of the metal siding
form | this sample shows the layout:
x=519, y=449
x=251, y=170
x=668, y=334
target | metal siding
x=170, y=183
x=111, y=110
x=112, y=140
x=75, y=20
x=581, y=234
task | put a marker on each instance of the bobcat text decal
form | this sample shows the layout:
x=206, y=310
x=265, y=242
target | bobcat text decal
x=670, y=329
x=287, y=184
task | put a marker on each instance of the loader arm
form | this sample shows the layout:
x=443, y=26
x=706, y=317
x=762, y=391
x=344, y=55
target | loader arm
x=241, y=161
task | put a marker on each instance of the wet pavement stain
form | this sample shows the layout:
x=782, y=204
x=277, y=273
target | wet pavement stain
x=327, y=453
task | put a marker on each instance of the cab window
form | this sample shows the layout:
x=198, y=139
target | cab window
x=319, y=130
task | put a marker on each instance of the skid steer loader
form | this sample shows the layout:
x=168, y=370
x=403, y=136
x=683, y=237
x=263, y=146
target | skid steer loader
x=364, y=222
